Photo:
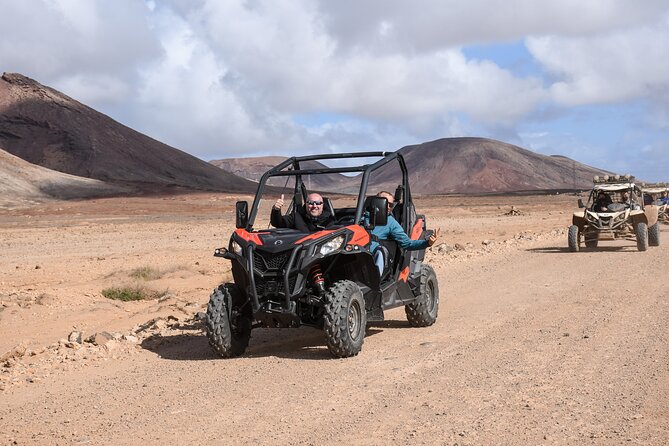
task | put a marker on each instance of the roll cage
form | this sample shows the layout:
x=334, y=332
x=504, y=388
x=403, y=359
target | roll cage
x=615, y=191
x=292, y=167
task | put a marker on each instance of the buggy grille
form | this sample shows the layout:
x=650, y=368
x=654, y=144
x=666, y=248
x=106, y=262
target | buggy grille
x=268, y=273
x=266, y=261
x=273, y=285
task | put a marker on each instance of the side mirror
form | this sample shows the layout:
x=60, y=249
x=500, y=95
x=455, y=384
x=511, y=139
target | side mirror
x=241, y=214
x=377, y=209
x=580, y=203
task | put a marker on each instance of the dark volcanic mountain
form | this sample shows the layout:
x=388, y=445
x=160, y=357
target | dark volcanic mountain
x=49, y=129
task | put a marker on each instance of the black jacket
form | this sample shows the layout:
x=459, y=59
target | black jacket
x=300, y=221
x=601, y=204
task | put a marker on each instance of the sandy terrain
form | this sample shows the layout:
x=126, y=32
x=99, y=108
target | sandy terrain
x=533, y=345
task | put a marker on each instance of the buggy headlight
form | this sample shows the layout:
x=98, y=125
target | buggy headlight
x=332, y=245
x=236, y=248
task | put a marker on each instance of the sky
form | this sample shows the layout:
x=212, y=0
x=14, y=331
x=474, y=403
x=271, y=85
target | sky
x=234, y=78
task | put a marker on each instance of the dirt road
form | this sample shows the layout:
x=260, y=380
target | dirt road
x=533, y=345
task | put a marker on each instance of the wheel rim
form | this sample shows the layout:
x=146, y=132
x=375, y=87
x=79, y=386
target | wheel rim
x=354, y=316
x=429, y=295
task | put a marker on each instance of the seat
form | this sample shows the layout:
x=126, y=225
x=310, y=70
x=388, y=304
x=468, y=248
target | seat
x=327, y=205
x=399, y=198
x=389, y=249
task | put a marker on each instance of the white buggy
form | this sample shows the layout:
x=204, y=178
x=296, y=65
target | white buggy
x=614, y=210
x=654, y=194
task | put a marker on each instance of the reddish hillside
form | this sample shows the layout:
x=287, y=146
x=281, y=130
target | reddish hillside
x=451, y=165
x=254, y=167
x=480, y=165
x=49, y=129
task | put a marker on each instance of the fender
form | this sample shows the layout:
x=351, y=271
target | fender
x=639, y=216
x=578, y=219
x=652, y=213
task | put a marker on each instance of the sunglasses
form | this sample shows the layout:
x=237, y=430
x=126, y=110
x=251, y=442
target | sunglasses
x=314, y=203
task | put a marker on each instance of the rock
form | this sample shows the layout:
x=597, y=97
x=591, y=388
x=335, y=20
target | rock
x=444, y=248
x=110, y=345
x=130, y=338
x=101, y=338
x=459, y=247
x=45, y=299
x=75, y=336
x=16, y=352
x=159, y=324
x=200, y=315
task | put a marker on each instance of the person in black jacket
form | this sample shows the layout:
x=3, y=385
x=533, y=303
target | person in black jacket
x=602, y=202
x=310, y=218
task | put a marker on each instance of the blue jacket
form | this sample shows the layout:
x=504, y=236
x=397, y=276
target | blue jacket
x=393, y=231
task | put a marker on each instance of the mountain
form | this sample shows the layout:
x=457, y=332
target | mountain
x=253, y=168
x=480, y=165
x=451, y=165
x=22, y=183
x=52, y=130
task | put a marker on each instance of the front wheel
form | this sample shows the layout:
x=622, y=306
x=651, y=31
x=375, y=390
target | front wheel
x=228, y=321
x=654, y=235
x=345, y=319
x=641, y=236
x=573, y=238
x=423, y=311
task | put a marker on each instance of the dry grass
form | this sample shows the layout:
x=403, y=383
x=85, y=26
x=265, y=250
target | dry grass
x=145, y=273
x=132, y=293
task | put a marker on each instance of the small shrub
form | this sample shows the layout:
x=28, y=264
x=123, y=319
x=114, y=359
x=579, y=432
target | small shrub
x=130, y=293
x=145, y=273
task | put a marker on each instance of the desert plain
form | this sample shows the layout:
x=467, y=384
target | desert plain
x=534, y=345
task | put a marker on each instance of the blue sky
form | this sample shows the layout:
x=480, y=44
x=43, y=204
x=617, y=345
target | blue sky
x=231, y=78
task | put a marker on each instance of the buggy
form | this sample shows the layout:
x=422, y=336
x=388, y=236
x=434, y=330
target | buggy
x=616, y=218
x=283, y=278
x=652, y=194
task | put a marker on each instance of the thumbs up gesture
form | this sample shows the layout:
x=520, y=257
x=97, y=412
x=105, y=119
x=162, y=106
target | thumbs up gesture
x=279, y=203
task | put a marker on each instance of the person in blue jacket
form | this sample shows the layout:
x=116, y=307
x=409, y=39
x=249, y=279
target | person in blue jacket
x=392, y=230
x=664, y=198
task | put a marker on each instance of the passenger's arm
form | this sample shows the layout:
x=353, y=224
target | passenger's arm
x=403, y=239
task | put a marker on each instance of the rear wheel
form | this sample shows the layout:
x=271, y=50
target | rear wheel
x=573, y=239
x=641, y=230
x=654, y=235
x=423, y=311
x=345, y=319
x=228, y=321
x=591, y=240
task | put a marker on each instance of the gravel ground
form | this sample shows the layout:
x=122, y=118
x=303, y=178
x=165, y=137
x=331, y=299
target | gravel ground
x=533, y=345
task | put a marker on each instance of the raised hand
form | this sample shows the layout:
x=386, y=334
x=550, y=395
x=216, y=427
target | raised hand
x=279, y=203
x=433, y=238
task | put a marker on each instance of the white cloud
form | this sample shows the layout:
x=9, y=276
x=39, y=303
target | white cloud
x=223, y=78
x=431, y=25
x=286, y=58
x=618, y=66
x=77, y=46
